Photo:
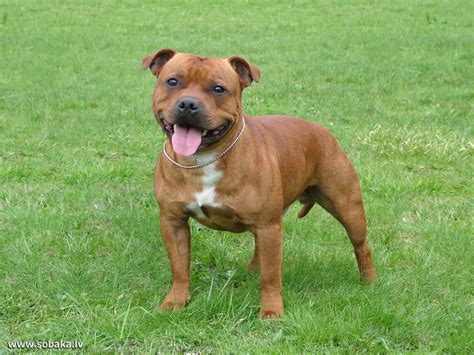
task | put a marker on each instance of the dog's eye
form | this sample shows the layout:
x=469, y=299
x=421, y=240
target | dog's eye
x=172, y=82
x=218, y=89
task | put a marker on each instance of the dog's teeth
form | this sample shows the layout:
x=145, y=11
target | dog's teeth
x=203, y=133
x=215, y=133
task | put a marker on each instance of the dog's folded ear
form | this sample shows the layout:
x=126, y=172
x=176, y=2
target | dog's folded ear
x=247, y=71
x=157, y=60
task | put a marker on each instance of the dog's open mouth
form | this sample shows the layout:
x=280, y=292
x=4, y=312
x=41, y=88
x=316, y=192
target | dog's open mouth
x=188, y=139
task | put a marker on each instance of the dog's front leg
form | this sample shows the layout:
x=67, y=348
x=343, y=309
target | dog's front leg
x=176, y=236
x=269, y=242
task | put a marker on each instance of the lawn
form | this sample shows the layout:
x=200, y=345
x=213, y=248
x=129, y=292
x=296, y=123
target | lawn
x=81, y=257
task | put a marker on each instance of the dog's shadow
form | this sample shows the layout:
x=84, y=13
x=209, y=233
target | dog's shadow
x=222, y=258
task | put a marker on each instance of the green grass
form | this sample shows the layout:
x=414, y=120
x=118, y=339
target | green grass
x=81, y=256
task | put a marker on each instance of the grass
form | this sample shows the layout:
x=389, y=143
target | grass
x=80, y=252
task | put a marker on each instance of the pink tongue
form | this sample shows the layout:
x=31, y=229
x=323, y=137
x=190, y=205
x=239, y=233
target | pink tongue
x=186, y=140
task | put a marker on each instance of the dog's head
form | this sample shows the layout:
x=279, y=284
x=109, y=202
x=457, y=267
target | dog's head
x=197, y=101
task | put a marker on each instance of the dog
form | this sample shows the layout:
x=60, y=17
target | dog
x=239, y=173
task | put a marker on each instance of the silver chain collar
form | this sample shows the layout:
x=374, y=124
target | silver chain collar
x=220, y=155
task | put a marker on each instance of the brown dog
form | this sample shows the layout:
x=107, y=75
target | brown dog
x=238, y=173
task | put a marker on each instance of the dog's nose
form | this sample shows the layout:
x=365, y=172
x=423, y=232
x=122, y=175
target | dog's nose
x=188, y=105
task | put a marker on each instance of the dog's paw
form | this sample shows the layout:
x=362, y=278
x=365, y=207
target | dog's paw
x=271, y=312
x=175, y=301
x=368, y=276
x=172, y=306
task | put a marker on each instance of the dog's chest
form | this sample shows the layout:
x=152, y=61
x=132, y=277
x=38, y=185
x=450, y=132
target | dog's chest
x=208, y=207
x=207, y=196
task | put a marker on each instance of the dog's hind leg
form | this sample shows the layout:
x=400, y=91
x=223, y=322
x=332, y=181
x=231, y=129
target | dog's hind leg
x=338, y=192
x=351, y=214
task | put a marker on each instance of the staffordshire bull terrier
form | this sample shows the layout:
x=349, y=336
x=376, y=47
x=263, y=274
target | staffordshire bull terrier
x=239, y=173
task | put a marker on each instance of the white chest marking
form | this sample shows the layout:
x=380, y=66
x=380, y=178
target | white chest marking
x=206, y=197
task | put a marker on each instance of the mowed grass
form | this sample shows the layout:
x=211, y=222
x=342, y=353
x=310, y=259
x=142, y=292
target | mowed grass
x=81, y=257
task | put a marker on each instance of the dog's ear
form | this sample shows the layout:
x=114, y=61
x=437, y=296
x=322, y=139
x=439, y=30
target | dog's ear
x=247, y=71
x=157, y=60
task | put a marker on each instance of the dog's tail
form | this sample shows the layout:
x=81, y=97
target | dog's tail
x=305, y=209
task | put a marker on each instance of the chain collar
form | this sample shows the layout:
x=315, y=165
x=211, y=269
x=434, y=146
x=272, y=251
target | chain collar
x=220, y=155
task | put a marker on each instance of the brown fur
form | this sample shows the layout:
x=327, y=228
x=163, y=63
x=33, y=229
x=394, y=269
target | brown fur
x=277, y=161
